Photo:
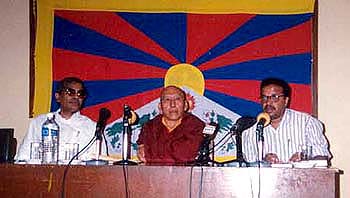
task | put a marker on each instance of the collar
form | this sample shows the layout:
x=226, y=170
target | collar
x=285, y=116
x=74, y=116
x=170, y=129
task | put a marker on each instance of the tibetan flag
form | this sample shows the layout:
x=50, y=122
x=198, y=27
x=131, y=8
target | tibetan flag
x=218, y=53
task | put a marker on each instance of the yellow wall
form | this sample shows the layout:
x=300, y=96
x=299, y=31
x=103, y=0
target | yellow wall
x=333, y=74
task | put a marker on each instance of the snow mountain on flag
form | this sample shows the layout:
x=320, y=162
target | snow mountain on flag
x=204, y=108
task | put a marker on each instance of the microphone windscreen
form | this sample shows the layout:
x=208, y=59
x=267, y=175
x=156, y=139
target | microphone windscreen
x=245, y=122
x=133, y=117
x=104, y=114
x=264, y=116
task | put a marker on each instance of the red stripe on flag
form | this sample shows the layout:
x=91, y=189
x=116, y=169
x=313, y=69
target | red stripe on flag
x=206, y=30
x=250, y=90
x=92, y=67
x=301, y=98
x=294, y=40
x=117, y=106
x=113, y=26
x=245, y=89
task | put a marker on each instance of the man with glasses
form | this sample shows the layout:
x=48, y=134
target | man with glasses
x=288, y=131
x=174, y=136
x=74, y=127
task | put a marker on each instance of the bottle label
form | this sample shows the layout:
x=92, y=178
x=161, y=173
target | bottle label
x=54, y=132
x=45, y=131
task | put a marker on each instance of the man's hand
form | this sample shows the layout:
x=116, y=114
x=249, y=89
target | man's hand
x=296, y=157
x=141, y=153
x=272, y=158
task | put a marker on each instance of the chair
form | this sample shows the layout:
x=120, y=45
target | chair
x=8, y=145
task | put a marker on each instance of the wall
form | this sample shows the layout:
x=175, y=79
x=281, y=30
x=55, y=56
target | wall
x=14, y=69
x=334, y=81
x=333, y=74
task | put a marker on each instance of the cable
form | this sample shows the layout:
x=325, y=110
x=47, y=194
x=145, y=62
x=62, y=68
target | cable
x=223, y=144
x=191, y=173
x=70, y=161
x=259, y=184
x=104, y=137
x=212, y=149
x=259, y=166
x=200, y=184
x=125, y=173
x=251, y=187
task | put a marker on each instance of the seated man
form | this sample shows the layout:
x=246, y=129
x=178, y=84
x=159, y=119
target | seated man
x=74, y=127
x=288, y=130
x=174, y=136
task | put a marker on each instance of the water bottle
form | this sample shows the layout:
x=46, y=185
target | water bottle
x=49, y=138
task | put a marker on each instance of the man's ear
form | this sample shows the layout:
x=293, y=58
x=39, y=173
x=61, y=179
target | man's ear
x=160, y=108
x=57, y=96
x=287, y=102
x=187, y=106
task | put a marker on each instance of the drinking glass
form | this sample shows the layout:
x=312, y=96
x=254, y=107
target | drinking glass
x=71, y=149
x=305, y=152
x=35, y=153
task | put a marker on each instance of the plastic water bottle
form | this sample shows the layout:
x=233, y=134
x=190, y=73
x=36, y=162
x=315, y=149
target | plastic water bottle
x=49, y=138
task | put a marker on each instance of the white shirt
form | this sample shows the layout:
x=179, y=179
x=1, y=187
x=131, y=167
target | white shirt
x=295, y=129
x=77, y=129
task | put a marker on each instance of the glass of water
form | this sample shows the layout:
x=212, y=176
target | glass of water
x=305, y=152
x=70, y=150
x=35, y=152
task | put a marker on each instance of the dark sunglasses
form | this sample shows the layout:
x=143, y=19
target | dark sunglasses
x=72, y=92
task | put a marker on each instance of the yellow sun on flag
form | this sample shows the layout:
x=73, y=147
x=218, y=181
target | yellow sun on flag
x=185, y=75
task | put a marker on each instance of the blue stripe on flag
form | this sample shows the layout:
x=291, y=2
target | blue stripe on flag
x=293, y=68
x=73, y=37
x=258, y=27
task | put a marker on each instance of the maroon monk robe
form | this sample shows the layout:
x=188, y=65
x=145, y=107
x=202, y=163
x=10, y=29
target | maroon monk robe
x=176, y=147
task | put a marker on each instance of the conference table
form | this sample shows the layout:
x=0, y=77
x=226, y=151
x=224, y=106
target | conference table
x=24, y=180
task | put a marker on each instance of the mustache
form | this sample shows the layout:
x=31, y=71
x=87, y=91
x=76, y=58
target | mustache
x=75, y=100
x=269, y=107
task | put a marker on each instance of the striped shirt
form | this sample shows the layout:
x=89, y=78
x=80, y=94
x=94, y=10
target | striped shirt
x=295, y=129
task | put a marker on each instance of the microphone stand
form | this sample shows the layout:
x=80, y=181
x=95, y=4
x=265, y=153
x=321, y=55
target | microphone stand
x=260, y=140
x=203, y=158
x=125, y=140
x=239, y=151
x=260, y=145
x=98, y=161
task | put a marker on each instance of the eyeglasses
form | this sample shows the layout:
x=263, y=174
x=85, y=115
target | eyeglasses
x=72, y=92
x=273, y=98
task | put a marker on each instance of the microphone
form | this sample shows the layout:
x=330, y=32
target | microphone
x=104, y=115
x=242, y=124
x=130, y=115
x=210, y=130
x=129, y=118
x=100, y=127
x=263, y=119
x=209, y=133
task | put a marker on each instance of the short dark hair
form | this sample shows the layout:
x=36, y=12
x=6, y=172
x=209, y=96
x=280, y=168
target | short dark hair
x=67, y=81
x=276, y=81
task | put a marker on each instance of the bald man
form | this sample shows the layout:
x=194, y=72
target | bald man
x=174, y=136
